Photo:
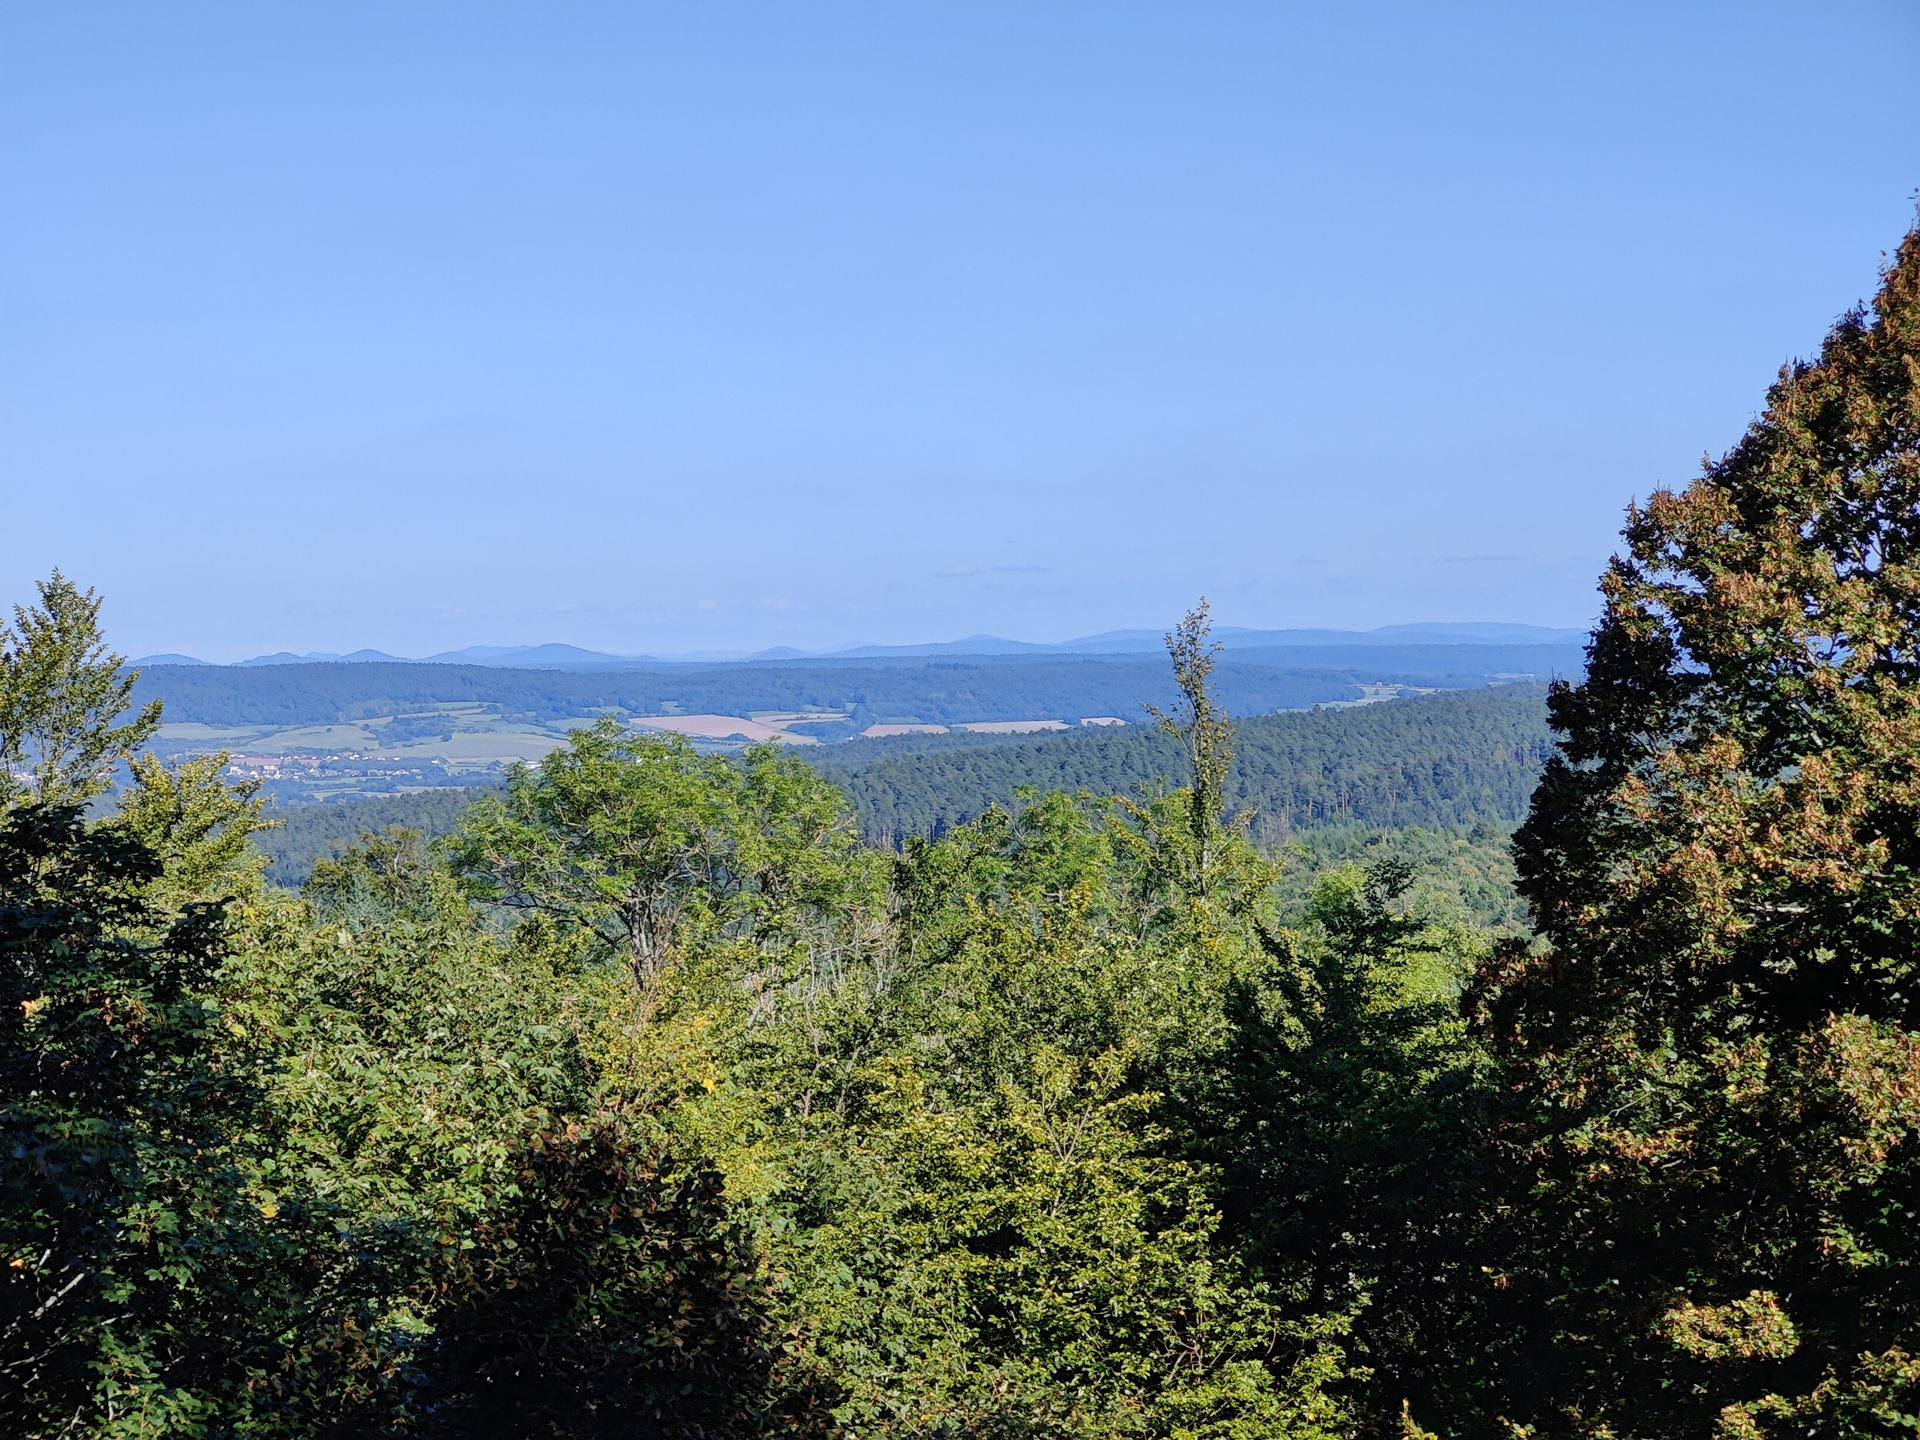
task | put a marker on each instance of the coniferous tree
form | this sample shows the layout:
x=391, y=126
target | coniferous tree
x=121, y=1223
x=609, y=1294
x=1711, y=1222
x=61, y=690
x=1332, y=1121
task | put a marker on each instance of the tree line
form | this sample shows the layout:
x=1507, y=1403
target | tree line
x=930, y=691
x=1456, y=759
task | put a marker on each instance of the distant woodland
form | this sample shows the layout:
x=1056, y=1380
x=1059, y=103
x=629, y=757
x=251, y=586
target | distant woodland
x=932, y=691
x=1449, y=760
x=1445, y=761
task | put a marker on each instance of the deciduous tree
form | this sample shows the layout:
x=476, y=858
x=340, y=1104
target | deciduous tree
x=636, y=840
x=1713, y=1060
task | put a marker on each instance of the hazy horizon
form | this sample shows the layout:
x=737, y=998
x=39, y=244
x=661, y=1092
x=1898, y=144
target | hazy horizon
x=650, y=333
x=1224, y=633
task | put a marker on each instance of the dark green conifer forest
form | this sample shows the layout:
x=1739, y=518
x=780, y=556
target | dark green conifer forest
x=1144, y=1087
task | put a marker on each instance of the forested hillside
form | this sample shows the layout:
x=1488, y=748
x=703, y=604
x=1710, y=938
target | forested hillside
x=303, y=835
x=932, y=691
x=1440, y=760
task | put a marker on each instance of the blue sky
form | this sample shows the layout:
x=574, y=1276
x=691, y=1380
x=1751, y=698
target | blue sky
x=680, y=327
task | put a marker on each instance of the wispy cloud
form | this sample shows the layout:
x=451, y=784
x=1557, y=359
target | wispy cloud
x=1482, y=559
x=969, y=571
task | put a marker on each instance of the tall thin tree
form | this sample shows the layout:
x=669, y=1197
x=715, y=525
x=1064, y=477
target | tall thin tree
x=1205, y=733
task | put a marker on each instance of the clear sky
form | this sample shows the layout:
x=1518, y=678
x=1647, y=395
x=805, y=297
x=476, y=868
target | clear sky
x=669, y=327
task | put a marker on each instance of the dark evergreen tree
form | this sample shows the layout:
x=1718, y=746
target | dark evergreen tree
x=131, y=1256
x=609, y=1295
x=1335, y=1124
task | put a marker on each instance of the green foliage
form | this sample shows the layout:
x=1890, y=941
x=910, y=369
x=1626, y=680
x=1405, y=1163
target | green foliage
x=199, y=827
x=1453, y=760
x=1206, y=740
x=1026, y=1264
x=465, y=1258
x=60, y=691
x=119, y=1213
x=304, y=835
x=1334, y=1117
x=610, y=1294
x=1463, y=878
x=922, y=1146
x=636, y=842
x=403, y=729
x=1710, y=1149
x=121, y=1205
x=269, y=1167
x=990, y=1230
x=386, y=876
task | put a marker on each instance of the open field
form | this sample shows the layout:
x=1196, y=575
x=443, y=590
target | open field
x=1374, y=694
x=213, y=736
x=426, y=748
x=482, y=743
x=723, y=727
x=1012, y=727
x=323, y=738
x=481, y=747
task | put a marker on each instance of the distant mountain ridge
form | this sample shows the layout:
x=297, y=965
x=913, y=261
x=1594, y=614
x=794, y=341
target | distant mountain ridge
x=1111, y=642
x=312, y=657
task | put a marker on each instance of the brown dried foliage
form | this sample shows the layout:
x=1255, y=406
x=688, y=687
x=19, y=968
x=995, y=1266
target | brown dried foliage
x=1711, y=1066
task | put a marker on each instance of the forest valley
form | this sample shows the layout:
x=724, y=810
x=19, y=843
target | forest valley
x=653, y=1102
